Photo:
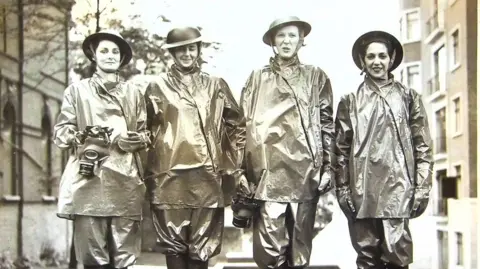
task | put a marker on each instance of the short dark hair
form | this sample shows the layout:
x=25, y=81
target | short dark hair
x=95, y=42
x=366, y=43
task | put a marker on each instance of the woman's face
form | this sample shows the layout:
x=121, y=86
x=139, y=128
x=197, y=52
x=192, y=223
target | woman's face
x=377, y=60
x=107, y=56
x=186, y=55
x=286, y=41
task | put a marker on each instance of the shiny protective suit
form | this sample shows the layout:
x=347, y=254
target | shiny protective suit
x=107, y=208
x=288, y=151
x=384, y=166
x=191, y=114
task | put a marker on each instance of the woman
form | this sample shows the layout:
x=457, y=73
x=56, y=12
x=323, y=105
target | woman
x=101, y=190
x=384, y=154
x=289, y=130
x=197, y=131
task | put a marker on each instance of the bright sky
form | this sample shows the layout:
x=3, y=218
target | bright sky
x=239, y=25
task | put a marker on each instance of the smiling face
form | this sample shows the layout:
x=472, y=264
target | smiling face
x=377, y=60
x=286, y=41
x=186, y=55
x=107, y=56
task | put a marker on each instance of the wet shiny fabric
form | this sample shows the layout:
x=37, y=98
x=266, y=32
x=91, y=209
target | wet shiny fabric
x=107, y=240
x=381, y=241
x=198, y=130
x=288, y=111
x=117, y=189
x=282, y=233
x=384, y=149
x=196, y=232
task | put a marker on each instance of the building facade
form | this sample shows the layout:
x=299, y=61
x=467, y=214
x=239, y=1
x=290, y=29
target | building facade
x=33, y=75
x=411, y=74
x=449, y=83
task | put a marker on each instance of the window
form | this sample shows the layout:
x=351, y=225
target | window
x=9, y=135
x=457, y=120
x=442, y=238
x=413, y=77
x=413, y=26
x=455, y=48
x=441, y=131
x=47, y=137
x=410, y=29
x=438, y=81
x=459, y=259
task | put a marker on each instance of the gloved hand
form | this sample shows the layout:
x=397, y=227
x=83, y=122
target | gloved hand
x=326, y=182
x=345, y=200
x=243, y=187
x=75, y=138
x=420, y=202
x=132, y=142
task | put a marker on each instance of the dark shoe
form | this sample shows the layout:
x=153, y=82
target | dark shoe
x=176, y=261
x=197, y=264
x=106, y=266
x=393, y=266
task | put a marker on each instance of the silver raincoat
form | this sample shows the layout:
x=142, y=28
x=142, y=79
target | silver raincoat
x=191, y=116
x=290, y=128
x=118, y=189
x=384, y=150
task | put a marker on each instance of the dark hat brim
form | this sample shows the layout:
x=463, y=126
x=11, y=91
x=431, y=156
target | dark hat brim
x=125, y=49
x=182, y=43
x=359, y=45
x=307, y=28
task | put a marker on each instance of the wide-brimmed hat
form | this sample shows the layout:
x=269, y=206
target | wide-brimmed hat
x=364, y=40
x=281, y=22
x=125, y=49
x=178, y=37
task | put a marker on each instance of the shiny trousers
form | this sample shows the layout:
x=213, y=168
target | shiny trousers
x=193, y=232
x=283, y=234
x=381, y=241
x=101, y=241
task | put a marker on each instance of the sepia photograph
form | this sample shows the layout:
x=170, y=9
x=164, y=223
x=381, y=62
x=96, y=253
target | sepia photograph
x=230, y=134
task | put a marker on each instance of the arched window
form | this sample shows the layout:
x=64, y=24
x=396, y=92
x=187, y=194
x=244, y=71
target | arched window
x=10, y=140
x=47, y=141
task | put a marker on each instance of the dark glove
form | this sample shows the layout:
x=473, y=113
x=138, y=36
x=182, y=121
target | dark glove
x=345, y=201
x=326, y=182
x=133, y=142
x=420, y=202
x=244, y=189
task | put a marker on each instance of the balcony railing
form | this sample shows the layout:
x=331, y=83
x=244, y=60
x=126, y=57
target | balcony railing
x=440, y=145
x=433, y=85
x=432, y=22
x=442, y=207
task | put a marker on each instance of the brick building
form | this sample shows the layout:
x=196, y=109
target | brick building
x=449, y=68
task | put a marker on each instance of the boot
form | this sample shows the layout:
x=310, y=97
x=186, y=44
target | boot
x=197, y=264
x=176, y=261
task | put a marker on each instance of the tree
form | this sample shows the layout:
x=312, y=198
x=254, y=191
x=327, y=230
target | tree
x=147, y=47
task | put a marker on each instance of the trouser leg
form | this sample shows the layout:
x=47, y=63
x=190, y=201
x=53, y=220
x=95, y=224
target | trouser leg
x=300, y=224
x=206, y=235
x=172, y=227
x=270, y=235
x=366, y=237
x=125, y=242
x=90, y=237
x=397, y=245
